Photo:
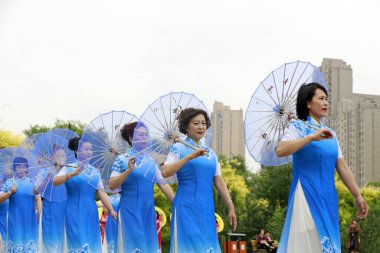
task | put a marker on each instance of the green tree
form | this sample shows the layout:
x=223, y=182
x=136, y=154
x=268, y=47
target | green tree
x=370, y=232
x=35, y=129
x=276, y=222
x=370, y=227
x=273, y=183
x=73, y=125
x=374, y=184
x=267, y=200
x=238, y=192
x=238, y=163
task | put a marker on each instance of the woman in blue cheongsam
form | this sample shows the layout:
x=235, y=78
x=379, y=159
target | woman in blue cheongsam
x=22, y=234
x=193, y=223
x=3, y=219
x=312, y=221
x=136, y=209
x=81, y=218
x=53, y=208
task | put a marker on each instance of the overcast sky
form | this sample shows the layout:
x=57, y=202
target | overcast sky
x=75, y=59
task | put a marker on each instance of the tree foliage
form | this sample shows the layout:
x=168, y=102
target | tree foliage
x=8, y=139
x=273, y=183
x=370, y=227
x=35, y=129
x=73, y=125
x=238, y=191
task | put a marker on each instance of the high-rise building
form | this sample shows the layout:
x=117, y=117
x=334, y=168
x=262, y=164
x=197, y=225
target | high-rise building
x=356, y=120
x=227, y=131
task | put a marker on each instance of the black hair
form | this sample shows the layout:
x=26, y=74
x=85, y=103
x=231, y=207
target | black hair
x=305, y=95
x=18, y=161
x=187, y=114
x=127, y=132
x=73, y=145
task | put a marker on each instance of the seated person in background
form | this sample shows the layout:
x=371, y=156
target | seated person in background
x=271, y=242
x=353, y=243
x=262, y=242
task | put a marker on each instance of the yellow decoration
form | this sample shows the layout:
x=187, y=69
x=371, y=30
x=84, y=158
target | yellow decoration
x=220, y=222
x=163, y=215
x=100, y=208
x=218, y=218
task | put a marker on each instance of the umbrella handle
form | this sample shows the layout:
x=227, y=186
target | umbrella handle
x=294, y=117
x=72, y=166
x=185, y=143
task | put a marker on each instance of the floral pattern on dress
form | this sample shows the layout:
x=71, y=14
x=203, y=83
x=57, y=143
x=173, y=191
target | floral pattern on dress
x=8, y=185
x=84, y=249
x=210, y=250
x=90, y=171
x=29, y=247
x=210, y=153
x=111, y=247
x=307, y=130
x=121, y=162
x=328, y=246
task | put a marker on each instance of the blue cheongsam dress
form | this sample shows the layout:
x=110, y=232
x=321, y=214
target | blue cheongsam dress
x=193, y=223
x=136, y=208
x=312, y=221
x=22, y=220
x=3, y=219
x=81, y=217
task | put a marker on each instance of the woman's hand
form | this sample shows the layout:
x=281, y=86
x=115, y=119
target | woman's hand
x=13, y=189
x=74, y=173
x=172, y=168
x=233, y=219
x=362, y=207
x=197, y=153
x=113, y=214
x=131, y=165
x=321, y=134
